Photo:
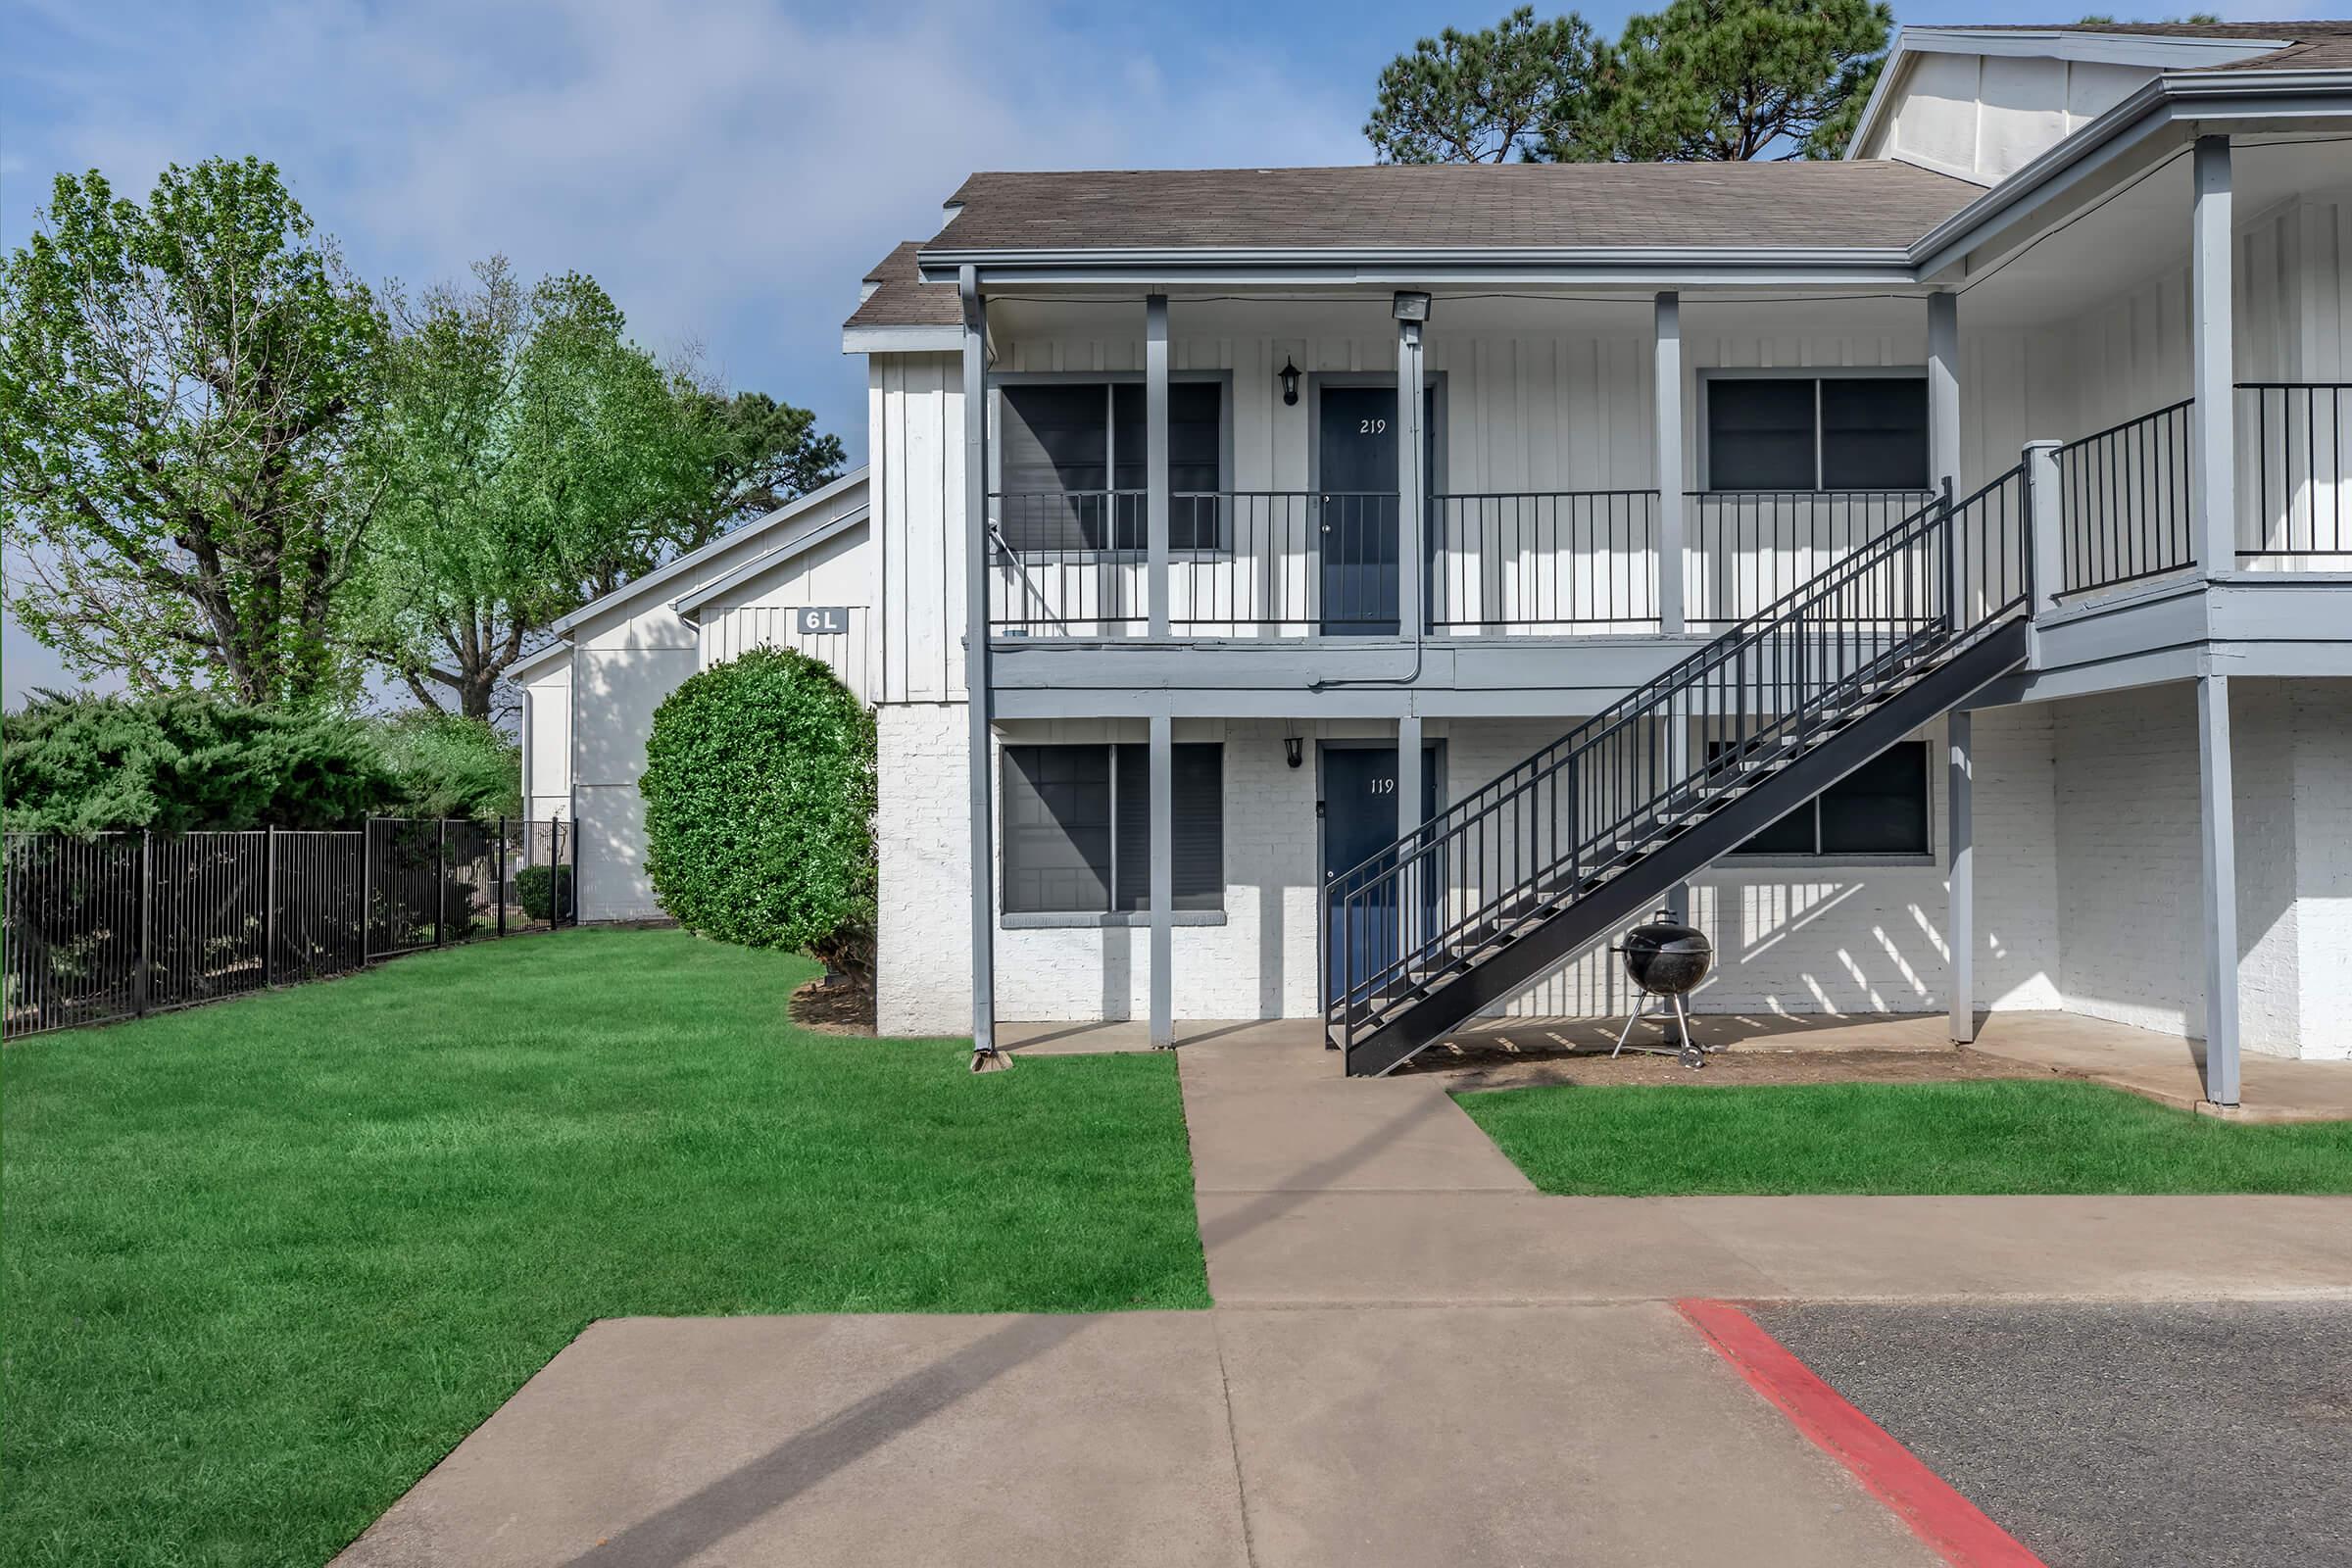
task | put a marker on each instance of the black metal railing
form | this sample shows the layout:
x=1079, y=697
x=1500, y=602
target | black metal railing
x=2124, y=496
x=117, y=925
x=1240, y=564
x=2294, y=473
x=1528, y=841
x=1748, y=548
x=1561, y=562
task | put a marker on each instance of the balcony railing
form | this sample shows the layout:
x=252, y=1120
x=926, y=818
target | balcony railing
x=2294, y=505
x=1752, y=548
x=2127, y=493
x=1543, y=562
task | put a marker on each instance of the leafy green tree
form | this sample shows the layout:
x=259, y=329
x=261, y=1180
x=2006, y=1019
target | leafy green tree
x=446, y=765
x=758, y=793
x=1729, y=79
x=1482, y=97
x=540, y=458
x=187, y=761
x=187, y=392
x=758, y=453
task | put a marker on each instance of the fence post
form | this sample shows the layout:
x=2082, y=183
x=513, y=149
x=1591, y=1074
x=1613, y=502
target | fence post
x=367, y=883
x=269, y=904
x=146, y=901
x=502, y=874
x=575, y=881
x=441, y=875
x=1952, y=592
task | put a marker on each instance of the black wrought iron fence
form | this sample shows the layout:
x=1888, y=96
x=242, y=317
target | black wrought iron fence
x=1547, y=562
x=2124, y=493
x=2296, y=473
x=118, y=925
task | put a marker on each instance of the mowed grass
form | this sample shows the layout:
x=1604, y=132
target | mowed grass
x=1997, y=1136
x=267, y=1262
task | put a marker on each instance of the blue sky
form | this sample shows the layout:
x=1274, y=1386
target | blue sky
x=727, y=168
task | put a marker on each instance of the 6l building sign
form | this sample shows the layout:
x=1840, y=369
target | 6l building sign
x=823, y=620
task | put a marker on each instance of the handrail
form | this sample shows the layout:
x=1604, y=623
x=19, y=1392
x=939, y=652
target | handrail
x=1545, y=827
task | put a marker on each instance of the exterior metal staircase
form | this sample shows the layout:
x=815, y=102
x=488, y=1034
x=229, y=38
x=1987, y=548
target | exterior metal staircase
x=1483, y=898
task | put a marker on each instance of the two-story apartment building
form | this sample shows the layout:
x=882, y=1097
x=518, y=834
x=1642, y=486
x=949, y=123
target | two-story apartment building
x=1360, y=591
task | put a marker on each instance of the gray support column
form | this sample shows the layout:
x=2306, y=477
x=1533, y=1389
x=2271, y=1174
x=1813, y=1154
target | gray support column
x=1408, y=822
x=1412, y=485
x=1960, y=915
x=1943, y=429
x=2045, y=525
x=975, y=663
x=2217, y=819
x=1667, y=373
x=1162, y=769
x=1158, y=505
x=2213, y=441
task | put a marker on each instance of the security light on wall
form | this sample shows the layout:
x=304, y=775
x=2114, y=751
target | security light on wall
x=1294, y=750
x=1290, y=393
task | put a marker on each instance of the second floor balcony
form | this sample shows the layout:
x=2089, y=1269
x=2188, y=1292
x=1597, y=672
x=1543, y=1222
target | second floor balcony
x=1303, y=564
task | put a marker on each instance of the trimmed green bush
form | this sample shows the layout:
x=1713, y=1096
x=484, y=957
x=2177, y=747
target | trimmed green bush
x=544, y=892
x=760, y=809
x=188, y=761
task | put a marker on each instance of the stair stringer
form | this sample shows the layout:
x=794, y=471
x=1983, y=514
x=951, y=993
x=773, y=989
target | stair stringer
x=1414, y=1024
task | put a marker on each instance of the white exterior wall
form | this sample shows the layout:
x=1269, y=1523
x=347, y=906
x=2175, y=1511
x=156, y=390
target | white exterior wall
x=762, y=611
x=621, y=670
x=1983, y=117
x=2128, y=875
x=546, y=744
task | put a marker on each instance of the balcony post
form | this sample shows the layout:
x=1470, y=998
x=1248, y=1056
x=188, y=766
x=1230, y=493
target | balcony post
x=2046, y=527
x=1158, y=504
x=1161, y=764
x=1943, y=431
x=1412, y=485
x=978, y=760
x=1668, y=374
x=2213, y=439
x=1960, y=913
x=2216, y=818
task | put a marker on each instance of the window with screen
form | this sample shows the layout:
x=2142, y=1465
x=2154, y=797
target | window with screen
x=1072, y=465
x=1844, y=432
x=1879, y=808
x=1077, y=837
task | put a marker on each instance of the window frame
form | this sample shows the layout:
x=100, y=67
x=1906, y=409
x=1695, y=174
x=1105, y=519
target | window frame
x=1816, y=375
x=1111, y=915
x=1745, y=858
x=1000, y=380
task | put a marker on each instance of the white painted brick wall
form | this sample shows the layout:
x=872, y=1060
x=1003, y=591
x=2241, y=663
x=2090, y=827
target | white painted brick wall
x=2086, y=823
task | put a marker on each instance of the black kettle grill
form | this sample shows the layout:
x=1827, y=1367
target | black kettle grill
x=1666, y=960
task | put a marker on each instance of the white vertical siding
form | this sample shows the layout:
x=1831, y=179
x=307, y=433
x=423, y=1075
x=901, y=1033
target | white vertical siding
x=918, y=528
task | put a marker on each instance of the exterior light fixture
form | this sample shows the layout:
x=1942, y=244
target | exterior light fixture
x=1293, y=751
x=1289, y=395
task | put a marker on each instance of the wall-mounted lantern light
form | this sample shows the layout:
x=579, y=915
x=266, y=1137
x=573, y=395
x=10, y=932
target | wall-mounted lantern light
x=1289, y=393
x=1294, y=750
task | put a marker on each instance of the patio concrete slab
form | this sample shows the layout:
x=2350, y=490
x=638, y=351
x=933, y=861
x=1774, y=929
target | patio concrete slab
x=1595, y=1436
x=844, y=1440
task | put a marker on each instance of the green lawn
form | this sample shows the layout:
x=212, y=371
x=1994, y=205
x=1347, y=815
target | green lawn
x=1998, y=1136
x=266, y=1262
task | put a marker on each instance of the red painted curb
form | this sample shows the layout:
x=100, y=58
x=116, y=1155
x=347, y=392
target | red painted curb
x=1955, y=1527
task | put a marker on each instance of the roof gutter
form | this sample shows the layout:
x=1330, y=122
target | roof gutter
x=1392, y=266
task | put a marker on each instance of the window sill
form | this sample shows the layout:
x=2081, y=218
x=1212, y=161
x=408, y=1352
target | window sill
x=1098, y=919
x=1817, y=862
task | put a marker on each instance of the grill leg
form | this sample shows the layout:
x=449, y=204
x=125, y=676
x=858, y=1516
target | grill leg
x=1631, y=1018
x=1690, y=1056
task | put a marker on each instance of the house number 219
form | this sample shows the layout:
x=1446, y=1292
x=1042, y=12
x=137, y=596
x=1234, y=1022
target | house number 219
x=1371, y=426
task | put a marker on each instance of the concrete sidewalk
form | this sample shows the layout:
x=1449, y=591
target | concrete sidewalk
x=1414, y=1358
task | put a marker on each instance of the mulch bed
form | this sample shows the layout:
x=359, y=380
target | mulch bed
x=835, y=1009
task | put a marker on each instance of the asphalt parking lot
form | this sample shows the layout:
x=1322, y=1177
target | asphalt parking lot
x=2114, y=1436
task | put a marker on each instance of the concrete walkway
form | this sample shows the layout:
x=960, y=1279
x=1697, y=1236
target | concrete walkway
x=1414, y=1358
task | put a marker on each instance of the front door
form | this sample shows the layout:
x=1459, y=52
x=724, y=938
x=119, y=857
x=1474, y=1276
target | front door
x=1359, y=821
x=1356, y=509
